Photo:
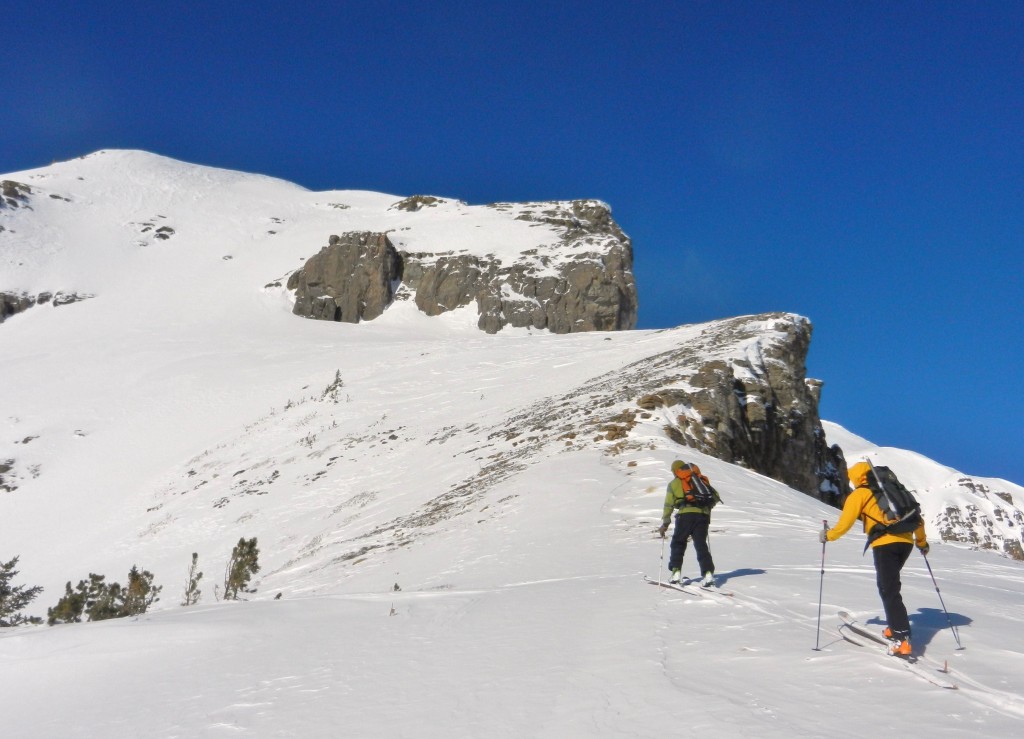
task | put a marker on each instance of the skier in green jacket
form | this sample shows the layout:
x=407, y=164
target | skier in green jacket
x=692, y=497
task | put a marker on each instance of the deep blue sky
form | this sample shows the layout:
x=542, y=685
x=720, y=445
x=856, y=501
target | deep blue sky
x=860, y=163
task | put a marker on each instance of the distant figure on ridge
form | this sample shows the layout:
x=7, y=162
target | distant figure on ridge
x=692, y=497
x=890, y=551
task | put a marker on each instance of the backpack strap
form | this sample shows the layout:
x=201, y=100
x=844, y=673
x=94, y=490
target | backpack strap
x=703, y=485
x=881, y=528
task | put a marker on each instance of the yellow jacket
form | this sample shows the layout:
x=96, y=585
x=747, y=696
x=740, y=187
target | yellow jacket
x=861, y=504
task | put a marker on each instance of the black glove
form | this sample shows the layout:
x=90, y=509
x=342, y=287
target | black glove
x=924, y=548
x=662, y=529
x=823, y=535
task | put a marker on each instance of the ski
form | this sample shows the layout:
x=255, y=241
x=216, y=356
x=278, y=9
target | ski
x=856, y=633
x=857, y=628
x=671, y=586
x=712, y=589
x=685, y=587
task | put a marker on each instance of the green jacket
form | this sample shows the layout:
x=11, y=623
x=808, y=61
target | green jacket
x=674, y=501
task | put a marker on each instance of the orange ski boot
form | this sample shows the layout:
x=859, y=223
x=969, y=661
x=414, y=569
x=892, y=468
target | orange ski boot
x=901, y=648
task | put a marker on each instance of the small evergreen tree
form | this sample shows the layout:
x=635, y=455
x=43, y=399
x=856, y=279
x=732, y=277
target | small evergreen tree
x=244, y=563
x=331, y=391
x=140, y=593
x=192, y=591
x=102, y=600
x=15, y=597
x=70, y=608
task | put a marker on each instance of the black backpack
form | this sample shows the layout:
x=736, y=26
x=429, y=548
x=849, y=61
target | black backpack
x=901, y=509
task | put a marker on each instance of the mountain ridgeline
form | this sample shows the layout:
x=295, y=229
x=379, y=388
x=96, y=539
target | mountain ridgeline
x=178, y=250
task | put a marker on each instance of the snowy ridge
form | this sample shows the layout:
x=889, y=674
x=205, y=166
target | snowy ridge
x=112, y=202
x=184, y=407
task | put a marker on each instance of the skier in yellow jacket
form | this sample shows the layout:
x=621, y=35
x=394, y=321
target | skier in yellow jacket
x=890, y=552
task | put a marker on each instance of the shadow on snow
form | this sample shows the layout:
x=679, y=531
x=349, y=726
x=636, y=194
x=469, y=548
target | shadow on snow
x=928, y=622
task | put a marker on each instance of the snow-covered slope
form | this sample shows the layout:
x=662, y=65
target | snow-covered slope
x=450, y=561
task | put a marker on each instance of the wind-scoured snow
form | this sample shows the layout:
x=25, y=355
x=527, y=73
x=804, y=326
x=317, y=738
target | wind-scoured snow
x=450, y=562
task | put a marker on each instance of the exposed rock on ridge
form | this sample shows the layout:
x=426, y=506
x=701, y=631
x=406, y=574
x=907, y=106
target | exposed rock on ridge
x=740, y=393
x=592, y=289
x=759, y=411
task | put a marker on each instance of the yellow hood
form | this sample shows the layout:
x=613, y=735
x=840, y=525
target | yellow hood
x=859, y=474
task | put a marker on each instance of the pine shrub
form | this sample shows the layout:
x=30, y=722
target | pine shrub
x=13, y=598
x=99, y=600
x=244, y=563
x=140, y=593
x=192, y=591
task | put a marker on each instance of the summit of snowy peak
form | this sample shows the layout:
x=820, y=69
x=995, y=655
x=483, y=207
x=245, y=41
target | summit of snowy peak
x=133, y=171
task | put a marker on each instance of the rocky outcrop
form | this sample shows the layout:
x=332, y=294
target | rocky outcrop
x=418, y=202
x=592, y=291
x=735, y=391
x=351, y=279
x=13, y=194
x=13, y=303
x=7, y=483
x=596, y=293
x=582, y=283
x=740, y=394
x=980, y=515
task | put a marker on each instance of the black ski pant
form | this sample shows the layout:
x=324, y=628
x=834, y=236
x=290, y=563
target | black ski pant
x=691, y=526
x=889, y=560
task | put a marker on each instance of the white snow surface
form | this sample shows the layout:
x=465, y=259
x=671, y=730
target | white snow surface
x=185, y=407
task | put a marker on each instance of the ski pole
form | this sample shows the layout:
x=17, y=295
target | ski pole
x=661, y=564
x=821, y=590
x=956, y=636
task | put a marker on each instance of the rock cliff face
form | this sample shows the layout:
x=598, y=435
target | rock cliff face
x=740, y=393
x=582, y=282
x=350, y=280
